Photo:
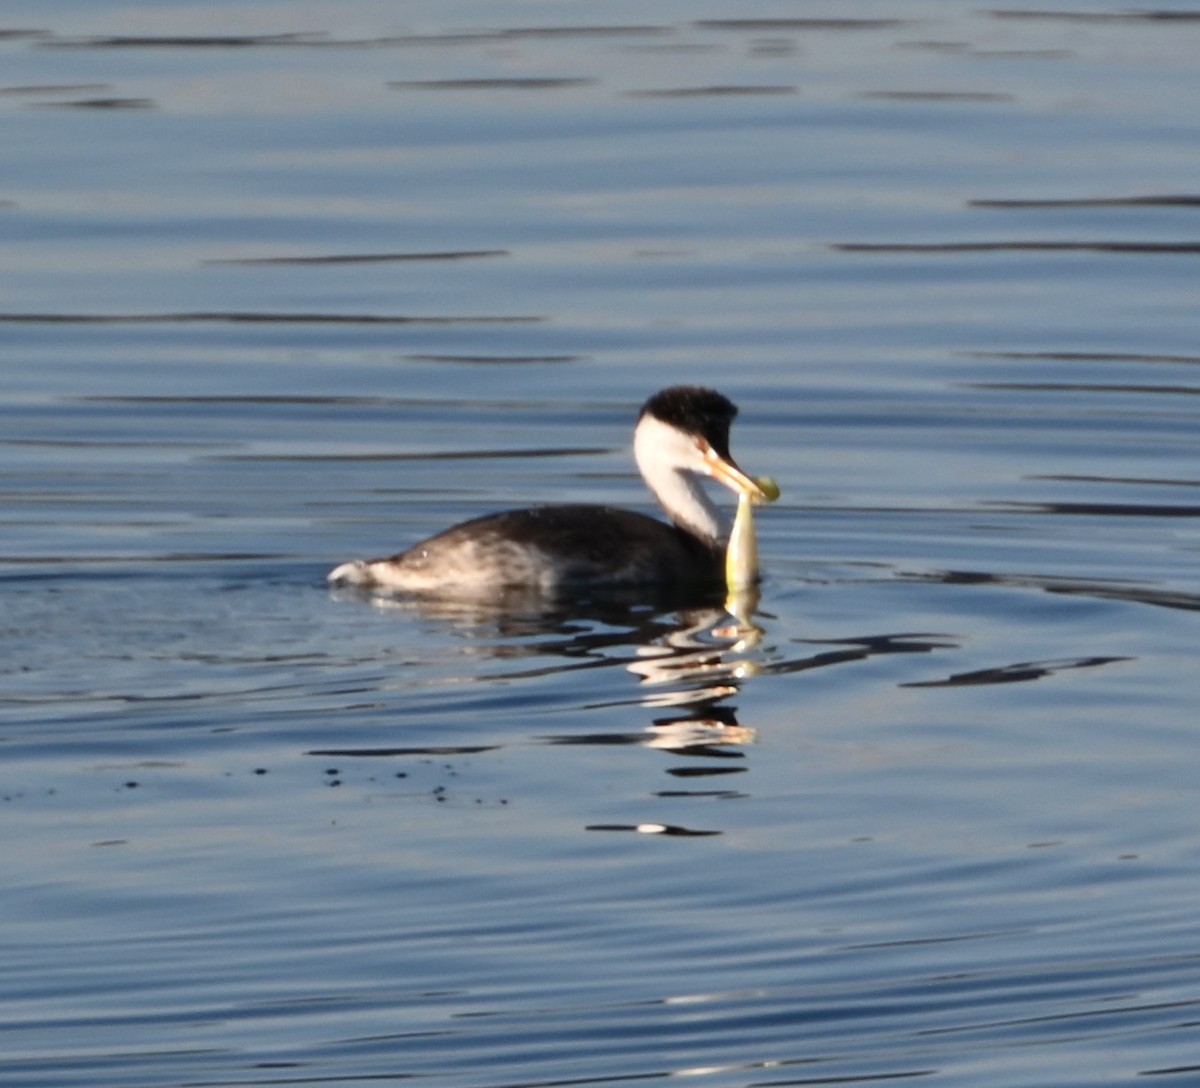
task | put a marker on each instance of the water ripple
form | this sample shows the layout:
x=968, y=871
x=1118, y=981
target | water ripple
x=244, y=317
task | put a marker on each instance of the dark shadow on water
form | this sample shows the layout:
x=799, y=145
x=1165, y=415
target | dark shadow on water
x=714, y=91
x=937, y=96
x=1102, y=509
x=1141, y=481
x=123, y=566
x=1029, y=245
x=321, y=39
x=1182, y=200
x=361, y=258
x=1132, y=16
x=1083, y=357
x=427, y=750
x=811, y=23
x=1119, y=388
x=111, y=103
x=187, y=41
x=544, y=83
x=250, y=317
x=653, y=829
x=1018, y=672
x=1104, y=590
x=848, y=650
x=424, y=455
x=23, y=90
x=496, y=360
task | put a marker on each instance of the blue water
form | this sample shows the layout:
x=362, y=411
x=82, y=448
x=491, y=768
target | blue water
x=283, y=285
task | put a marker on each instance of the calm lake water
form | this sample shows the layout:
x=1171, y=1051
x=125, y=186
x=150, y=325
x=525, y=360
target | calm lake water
x=283, y=284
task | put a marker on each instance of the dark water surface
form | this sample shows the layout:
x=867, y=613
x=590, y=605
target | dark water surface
x=284, y=284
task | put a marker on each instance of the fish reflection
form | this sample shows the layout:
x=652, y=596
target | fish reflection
x=693, y=669
x=708, y=647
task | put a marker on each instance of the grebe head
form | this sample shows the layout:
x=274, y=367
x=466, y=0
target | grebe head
x=683, y=434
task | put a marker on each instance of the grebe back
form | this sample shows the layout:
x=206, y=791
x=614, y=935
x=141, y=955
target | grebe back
x=682, y=435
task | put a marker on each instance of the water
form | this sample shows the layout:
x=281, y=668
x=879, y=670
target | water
x=287, y=284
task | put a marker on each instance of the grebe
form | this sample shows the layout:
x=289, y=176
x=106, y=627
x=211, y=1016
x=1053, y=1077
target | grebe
x=682, y=434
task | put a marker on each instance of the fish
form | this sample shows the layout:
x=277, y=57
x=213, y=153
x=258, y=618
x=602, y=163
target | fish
x=741, y=555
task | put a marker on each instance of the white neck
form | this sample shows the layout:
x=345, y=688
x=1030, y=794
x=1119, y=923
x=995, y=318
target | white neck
x=661, y=453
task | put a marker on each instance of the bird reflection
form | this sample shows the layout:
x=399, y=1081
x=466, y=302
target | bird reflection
x=695, y=656
x=685, y=661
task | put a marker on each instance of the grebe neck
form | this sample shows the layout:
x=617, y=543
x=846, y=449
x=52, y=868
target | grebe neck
x=660, y=450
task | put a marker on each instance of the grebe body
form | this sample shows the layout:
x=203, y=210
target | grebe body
x=681, y=437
